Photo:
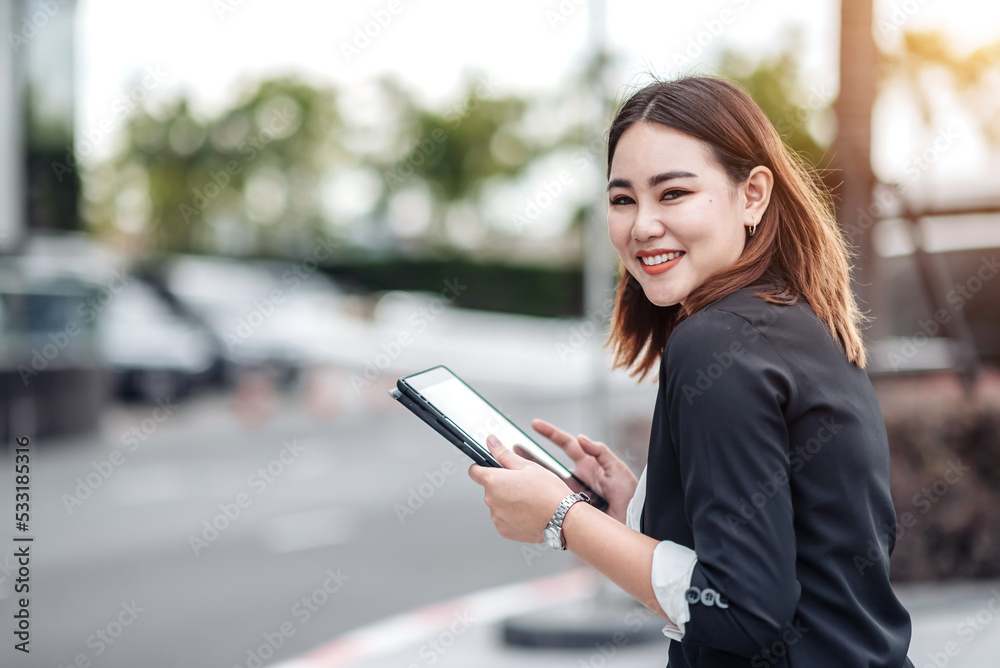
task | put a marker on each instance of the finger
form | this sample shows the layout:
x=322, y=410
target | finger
x=561, y=438
x=506, y=458
x=600, y=451
x=477, y=473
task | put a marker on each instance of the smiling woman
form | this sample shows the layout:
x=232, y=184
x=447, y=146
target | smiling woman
x=725, y=164
x=688, y=222
x=762, y=526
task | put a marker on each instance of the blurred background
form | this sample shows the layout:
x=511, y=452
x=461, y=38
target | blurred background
x=227, y=227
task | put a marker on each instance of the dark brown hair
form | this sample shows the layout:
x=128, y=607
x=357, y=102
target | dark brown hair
x=797, y=252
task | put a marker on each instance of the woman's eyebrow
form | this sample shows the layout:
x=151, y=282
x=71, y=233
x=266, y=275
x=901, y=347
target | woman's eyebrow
x=653, y=180
x=667, y=176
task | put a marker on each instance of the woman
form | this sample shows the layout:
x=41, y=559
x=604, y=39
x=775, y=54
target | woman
x=762, y=525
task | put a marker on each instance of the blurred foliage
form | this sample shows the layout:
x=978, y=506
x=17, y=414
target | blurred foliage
x=240, y=182
x=253, y=180
x=476, y=144
x=381, y=171
x=52, y=193
x=451, y=154
x=796, y=109
x=928, y=64
x=488, y=286
x=53, y=189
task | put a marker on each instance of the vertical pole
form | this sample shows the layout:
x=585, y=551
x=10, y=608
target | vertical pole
x=858, y=80
x=597, y=260
x=597, y=276
x=11, y=133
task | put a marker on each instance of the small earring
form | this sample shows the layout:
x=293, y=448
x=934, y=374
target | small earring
x=753, y=228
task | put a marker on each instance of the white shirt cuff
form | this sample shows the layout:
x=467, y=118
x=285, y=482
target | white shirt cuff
x=673, y=566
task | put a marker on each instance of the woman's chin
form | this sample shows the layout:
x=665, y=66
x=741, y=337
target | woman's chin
x=661, y=295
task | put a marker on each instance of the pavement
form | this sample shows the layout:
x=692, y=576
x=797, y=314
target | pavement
x=955, y=625
x=115, y=521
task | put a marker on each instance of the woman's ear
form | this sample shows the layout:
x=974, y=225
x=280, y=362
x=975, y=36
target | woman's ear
x=757, y=192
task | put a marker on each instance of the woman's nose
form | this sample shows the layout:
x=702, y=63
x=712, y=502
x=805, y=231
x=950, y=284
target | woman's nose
x=648, y=223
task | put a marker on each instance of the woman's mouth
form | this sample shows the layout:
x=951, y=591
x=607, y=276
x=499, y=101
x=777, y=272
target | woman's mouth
x=658, y=262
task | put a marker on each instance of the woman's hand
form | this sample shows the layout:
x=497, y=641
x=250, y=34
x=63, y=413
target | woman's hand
x=597, y=466
x=522, y=496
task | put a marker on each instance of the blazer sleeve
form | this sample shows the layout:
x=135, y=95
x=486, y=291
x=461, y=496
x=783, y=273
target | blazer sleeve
x=727, y=391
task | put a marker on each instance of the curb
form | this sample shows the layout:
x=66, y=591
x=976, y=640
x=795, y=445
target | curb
x=413, y=628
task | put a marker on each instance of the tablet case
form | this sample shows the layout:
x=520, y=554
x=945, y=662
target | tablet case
x=444, y=429
x=454, y=436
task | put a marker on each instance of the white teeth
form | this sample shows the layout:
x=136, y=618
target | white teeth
x=659, y=259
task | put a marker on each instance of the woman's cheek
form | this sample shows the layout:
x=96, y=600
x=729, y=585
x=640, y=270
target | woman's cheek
x=619, y=232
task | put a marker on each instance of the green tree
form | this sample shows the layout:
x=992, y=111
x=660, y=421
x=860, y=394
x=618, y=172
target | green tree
x=454, y=152
x=776, y=83
x=246, y=181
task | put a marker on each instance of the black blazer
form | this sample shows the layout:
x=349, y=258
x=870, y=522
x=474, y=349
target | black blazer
x=768, y=457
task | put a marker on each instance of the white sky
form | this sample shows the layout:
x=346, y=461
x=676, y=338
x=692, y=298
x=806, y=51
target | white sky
x=429, y=44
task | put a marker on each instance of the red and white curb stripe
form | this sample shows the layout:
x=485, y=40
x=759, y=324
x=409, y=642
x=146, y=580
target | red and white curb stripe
x=413, y=628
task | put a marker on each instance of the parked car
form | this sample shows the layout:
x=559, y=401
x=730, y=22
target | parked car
x=151, y=351
x=264, y=316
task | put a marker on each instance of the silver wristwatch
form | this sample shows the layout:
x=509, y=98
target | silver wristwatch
x=553, y=530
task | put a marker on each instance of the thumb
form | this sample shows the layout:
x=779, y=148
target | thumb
x=500, y=452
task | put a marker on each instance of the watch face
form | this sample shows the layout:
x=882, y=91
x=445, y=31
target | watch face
x=552, y=538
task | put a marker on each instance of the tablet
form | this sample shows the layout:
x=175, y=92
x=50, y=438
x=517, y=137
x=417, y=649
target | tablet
x=456, y=411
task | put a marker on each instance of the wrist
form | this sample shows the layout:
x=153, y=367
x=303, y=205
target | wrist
x=553, y=532
x=575, y=516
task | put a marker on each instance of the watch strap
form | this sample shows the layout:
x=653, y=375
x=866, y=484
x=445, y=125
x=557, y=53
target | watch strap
x=560, y=514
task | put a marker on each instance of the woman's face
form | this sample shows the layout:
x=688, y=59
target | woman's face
x=673, y=215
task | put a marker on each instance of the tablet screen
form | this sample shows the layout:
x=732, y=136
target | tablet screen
x=476, y=417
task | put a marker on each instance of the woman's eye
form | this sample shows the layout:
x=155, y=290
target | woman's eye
x=674, y=194
x=621, y=200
